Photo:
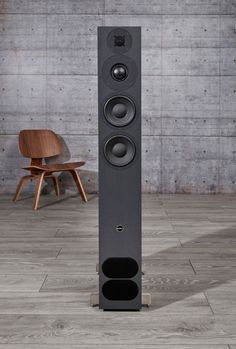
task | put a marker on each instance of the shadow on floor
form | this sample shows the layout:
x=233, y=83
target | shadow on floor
x=212, y=258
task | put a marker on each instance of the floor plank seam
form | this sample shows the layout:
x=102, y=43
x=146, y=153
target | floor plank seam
x=208, y=303
x=194, y=271
x=59, y=252
x=43, y=283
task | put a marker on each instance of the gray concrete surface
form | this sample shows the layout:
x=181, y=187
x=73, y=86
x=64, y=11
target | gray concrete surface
x=48, y=79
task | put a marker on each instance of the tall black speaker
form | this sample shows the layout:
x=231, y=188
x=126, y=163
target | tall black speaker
x=119, y=112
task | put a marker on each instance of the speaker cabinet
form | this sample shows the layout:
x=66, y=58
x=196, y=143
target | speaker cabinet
x=119, y=113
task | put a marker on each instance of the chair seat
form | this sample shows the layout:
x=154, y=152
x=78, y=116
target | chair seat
x=55, y=167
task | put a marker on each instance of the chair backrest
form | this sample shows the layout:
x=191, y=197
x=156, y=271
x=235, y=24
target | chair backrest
x=39, y=144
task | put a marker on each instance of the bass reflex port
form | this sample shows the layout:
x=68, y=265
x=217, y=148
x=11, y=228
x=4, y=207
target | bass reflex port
x=120, y=290
x=122, y=268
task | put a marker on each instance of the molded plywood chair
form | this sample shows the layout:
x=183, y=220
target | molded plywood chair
x=40, y=144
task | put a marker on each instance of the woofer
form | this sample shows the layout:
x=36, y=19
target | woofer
x=119, y=150
x=119, y=110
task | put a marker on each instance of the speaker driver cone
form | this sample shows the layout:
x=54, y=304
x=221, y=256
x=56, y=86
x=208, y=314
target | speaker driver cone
x=119, y=72
x=119, y=110
x=119, y=150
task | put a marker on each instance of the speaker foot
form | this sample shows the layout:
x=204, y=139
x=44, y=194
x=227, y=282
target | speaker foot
x=146, y=300
x=94, y=300
x=97, y=269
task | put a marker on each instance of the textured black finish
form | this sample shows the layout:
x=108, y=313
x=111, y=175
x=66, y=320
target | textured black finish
x=119, y=112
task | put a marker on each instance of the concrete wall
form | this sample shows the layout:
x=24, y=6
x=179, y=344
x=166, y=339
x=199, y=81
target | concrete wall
x=48, y=80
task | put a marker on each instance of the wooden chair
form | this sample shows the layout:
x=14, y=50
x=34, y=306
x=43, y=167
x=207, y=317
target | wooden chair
x=40, y=144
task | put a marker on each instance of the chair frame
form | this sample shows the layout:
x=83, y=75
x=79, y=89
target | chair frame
x=39, y=172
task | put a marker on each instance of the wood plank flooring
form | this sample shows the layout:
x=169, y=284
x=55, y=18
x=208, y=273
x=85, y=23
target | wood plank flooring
x=47, y=272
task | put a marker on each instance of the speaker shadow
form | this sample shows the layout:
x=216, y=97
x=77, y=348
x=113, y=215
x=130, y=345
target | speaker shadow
x=207, y=261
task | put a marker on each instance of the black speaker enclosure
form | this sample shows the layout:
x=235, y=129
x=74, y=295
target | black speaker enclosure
x=119, y=115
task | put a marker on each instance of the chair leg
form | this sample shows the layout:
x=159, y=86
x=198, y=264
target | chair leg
x=79, y=185
x=20, y=187
x=39, y=182
x=56, y=185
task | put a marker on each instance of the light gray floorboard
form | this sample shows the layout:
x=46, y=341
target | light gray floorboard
x=127, y=328
x=71, y=303
x=116, y=346
x=47, y=272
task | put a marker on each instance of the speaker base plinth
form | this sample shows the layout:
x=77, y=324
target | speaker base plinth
x=146, y=300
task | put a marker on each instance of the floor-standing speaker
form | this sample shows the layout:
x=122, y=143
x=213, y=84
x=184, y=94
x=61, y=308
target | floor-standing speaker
x=119, y=113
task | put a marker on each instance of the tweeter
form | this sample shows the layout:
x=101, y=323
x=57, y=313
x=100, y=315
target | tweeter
x=119, y=72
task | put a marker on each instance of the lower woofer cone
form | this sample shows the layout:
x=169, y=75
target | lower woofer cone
x=119, y=110
x=119, y=150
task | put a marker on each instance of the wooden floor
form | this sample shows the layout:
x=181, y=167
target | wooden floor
x=47, y=267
